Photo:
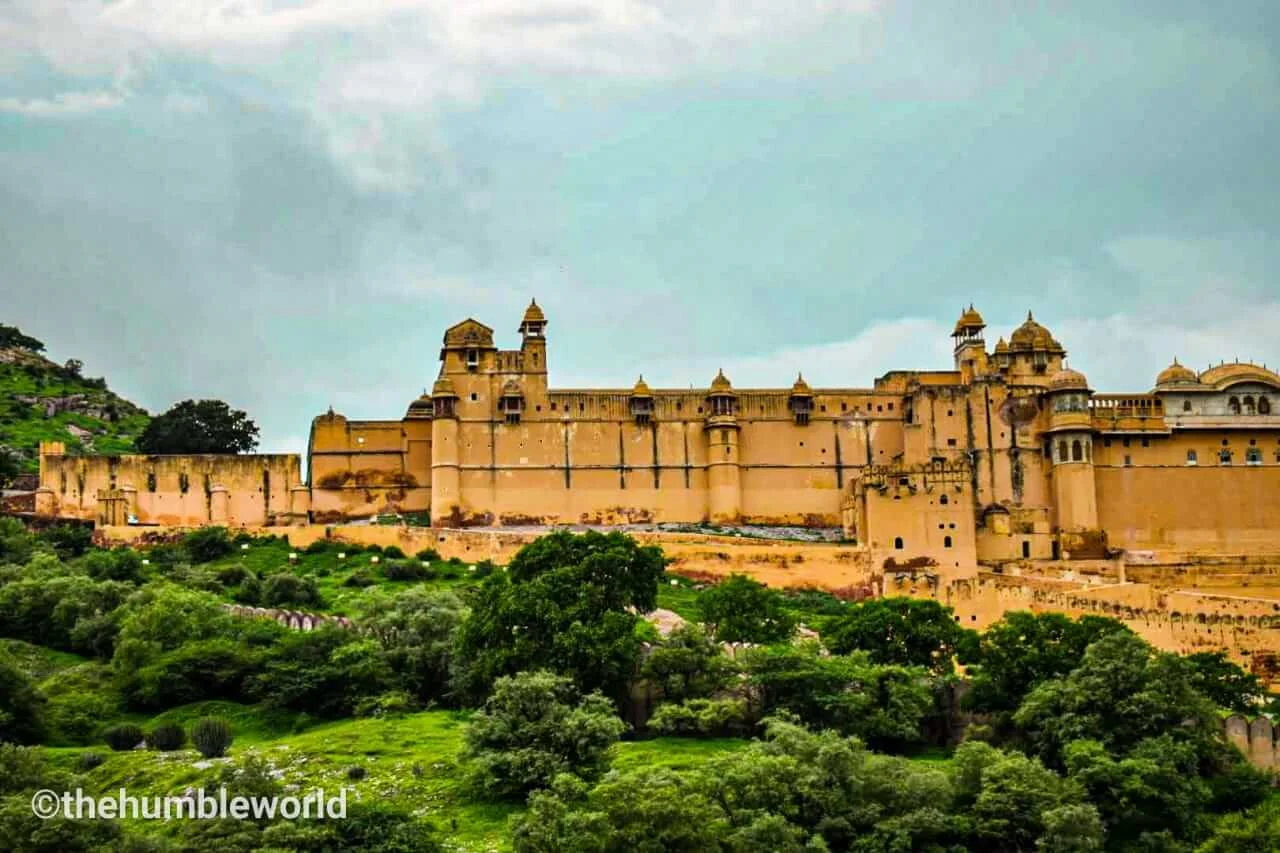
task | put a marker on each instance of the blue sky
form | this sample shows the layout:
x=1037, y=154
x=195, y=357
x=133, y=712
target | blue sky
x=283, y=204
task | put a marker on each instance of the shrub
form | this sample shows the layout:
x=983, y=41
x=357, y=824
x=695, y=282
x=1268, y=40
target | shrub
x=535, y=726
x=428, y=555
x=90, y=760
x=208, y=544
x=123, y=737
x=68, y=540
x=405, y=570
x=320, y=546
x=167, y=737
x=21, y=706
x=484, y=568
x=360, y=578
x=355, y=773
x=211, y=736
x=702, y=718
x=284, y=588
x=250, y=591
x=745, y=610
x=394, y=552
x=232, y=575
x=120, y=564
x=373, y=549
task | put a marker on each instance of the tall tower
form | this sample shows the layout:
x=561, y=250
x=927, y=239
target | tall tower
x=1071, y=436
x=970, y=349
x=446, y=492
x=533, y=333
x=724, y=465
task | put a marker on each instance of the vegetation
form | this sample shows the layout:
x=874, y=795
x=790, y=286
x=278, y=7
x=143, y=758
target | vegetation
x=536, y=709
x=44, y=401
x=742, y=610
x=204, y=426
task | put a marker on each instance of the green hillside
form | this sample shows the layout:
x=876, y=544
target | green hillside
x=44, y=401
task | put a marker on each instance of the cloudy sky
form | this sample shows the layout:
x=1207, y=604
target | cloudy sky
x=283, y=203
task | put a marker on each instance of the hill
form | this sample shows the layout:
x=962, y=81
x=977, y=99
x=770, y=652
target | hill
x=44, y=401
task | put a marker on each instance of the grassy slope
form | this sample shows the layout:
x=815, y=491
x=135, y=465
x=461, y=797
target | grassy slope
x=412, y=761
x=23, y=426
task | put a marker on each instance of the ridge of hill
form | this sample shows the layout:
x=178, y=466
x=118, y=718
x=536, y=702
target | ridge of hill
x=41, y=400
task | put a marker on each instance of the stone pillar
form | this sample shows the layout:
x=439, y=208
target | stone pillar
x=46, y=502
x=300, y=504
x=724, y=472
x=446, y=486
x=219, y=505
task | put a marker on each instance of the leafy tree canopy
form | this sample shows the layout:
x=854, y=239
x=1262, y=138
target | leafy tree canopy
x=12, y=337
x=567, y=604
x=536, y=726
x=204, y=426
x=1222, y=681
x=906, y=631
x=1025, y=649
x=743, y=610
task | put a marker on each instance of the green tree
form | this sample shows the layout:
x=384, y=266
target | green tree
x=907, y=631
x=10, y=464
x=1015, y=797
x=1025, y=649
x=742, y=610
x=418, y=628
x=11, y=337
x=884, y=705
x=1122, y=693
x=567, y=603
x=687, y=665
x=326, y=672
x=21, y=707
x=1225, y=683
x=1248, y=832
x=204, y=426
x=535, y=726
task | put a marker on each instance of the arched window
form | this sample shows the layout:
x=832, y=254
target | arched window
x=897, y=543
x=944, y=500
x=1077, y=452
x=1224, y=457
x=1062, y=451
x=946, y=541
x=1264, y=406
x=1191, y=458
x=1186, y=405
x=1234, y=405
x=1248, y=406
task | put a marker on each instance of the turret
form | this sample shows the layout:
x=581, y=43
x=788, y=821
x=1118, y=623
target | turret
x=801, y=401
x=641, y=402
x=724, y=466
x=446, y=496
x=970, y=349
x=533, y=332
x=1070, y=436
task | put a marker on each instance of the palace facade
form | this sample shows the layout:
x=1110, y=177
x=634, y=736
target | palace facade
x=1008, y=454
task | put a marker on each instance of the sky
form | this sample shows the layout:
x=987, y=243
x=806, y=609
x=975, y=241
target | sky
x=284, y=203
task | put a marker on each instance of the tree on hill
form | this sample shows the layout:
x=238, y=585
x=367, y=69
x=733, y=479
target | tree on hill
x=743, y=610
x=204, y=426
x=906, y=631
x=12, y=337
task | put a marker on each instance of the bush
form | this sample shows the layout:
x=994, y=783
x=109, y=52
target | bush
x=484, y=568
x=90, y=760
x=355, y=773
x=702, y=718
x=745, y=610
x=250, y=591
x=393, y=552
x=232, y=575
x=124, y=737
x=208, y=544
x=211, y=736
x=405, y=570
x=21, y=706
x=68, y=540
x=535, y=726
x=428, y=555
x=284, y=589
x=360, y=578
x=167, y=737
x=121, y=564
x=374, y=549
x=320, y=546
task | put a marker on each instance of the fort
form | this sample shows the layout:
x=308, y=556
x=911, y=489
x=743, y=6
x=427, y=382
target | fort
x=1000, y=482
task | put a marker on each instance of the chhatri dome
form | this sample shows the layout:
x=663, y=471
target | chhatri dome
x=642, y=388
x=1177, y=374
x=721, y=382
x=533, y=314
x=1067, y=378
x=1032, y=336
x=443, y=388
x=801, y=388
x=970, y=319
